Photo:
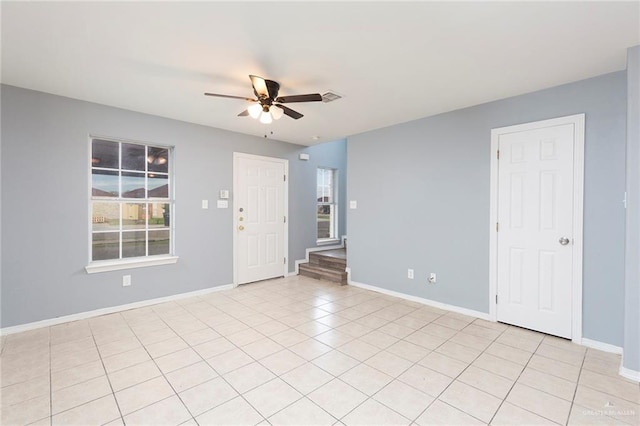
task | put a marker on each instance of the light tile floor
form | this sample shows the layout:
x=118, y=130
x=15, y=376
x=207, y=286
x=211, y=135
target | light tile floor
x=299, y=351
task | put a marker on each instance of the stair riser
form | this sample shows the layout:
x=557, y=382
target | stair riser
x=328, y=262
x=320, y=277
x=329, y=275
x=323, y=271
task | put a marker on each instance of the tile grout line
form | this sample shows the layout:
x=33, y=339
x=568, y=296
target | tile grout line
x=277, y=376
x=351, y=300
x=334, y=377
x=411, y=366
x=514, y=384
x=113, y=394
x=575, y=391
x=159, y=369
x=219, y=375
x=456, y=377
x=422, y=358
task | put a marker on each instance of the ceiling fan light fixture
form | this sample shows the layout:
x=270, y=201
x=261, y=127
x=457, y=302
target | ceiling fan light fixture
x=265, y=118
x=276, y=112
x=255, y=110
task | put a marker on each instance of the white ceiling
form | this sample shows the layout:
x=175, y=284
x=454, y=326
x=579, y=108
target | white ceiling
x=392, y=62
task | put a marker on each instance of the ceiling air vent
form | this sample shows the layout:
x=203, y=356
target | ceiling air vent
x=330, y=97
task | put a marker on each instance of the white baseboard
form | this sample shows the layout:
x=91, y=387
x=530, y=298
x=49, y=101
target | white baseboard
x=428, y=302
x=629, y=374
x=605, y=347
x=104, y=311
x=312, y=249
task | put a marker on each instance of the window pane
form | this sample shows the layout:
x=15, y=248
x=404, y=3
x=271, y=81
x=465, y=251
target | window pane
x=158, y=186
x=104, y=154
x=134, y=244
x=132, y=204
x=325, y=221
x=133, y=185
x=320, y=184
x=325, y=192
x=159, y=242
x=106, y=246
x=134, y=216
x=105, y=216
x=104, y=183
x=133, y=157
x=159, y=215
x=158, y=159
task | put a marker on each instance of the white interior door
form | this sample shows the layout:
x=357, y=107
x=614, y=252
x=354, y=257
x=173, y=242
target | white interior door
x=259, y=204
x=535, y=231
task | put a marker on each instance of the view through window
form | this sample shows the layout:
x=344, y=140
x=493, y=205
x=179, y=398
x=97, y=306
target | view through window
x=131, y=201
x=327, y=204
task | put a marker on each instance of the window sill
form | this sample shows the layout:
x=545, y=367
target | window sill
x=327, y=241
x=116, y=265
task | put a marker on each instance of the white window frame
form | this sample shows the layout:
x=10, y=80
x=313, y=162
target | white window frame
x=139, y=261
x=333, y=218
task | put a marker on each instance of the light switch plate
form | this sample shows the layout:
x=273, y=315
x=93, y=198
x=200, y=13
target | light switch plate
x=224, y=194
x=205, y=204
x=353, y=204
x=223, y=204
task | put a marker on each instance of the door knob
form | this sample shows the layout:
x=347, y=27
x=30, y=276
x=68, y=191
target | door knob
x=241, y=228
x=564, y=241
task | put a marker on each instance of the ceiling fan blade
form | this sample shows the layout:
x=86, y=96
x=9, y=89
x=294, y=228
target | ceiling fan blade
x=311, y=97
x=288, y=111
x=229, y=96
x=272, y=87
x=244, y=113
x=259, y=86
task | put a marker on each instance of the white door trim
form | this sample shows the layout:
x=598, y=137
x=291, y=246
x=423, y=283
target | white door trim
x=578, y=203
x=285, y=249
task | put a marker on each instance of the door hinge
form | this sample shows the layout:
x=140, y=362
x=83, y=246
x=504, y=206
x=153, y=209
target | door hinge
x=496, y=299
x=285, y=177
x=497, y=226
x=285, y=261
x=498, y=154
x=285, y=219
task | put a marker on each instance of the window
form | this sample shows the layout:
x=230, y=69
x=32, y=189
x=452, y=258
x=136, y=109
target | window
x=131, y=201
x=327, y=218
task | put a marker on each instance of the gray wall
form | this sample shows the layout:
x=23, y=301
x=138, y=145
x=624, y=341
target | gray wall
x=45, y=204
x=632, y=275
x=423, y=196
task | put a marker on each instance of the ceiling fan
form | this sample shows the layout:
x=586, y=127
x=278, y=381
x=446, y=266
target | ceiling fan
x=268, y=106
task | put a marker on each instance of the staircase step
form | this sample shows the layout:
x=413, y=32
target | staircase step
x=333, y=259
x=320, y=273
x=328, y=263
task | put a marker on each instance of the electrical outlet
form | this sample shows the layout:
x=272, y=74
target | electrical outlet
x=126, y=280
x=432, y=278
x=410, y=274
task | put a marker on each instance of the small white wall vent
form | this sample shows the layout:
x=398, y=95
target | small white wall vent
x=330, y=97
